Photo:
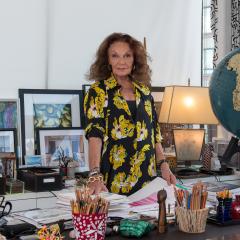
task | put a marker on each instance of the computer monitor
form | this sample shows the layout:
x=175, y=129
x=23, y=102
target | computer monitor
x=188, y=145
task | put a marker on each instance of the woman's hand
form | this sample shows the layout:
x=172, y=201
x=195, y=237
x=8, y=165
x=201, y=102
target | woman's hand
x=167, y=174
x=96, y=187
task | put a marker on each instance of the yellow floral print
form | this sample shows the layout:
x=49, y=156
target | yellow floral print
x=117, y=156
x=128, y=154
x=122, y=128
x=120, y=102
x=142, y=132
x=148, y=108
x=117, y=182
x=152, y=167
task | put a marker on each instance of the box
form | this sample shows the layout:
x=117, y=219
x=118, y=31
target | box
x=40, y=179
x=2, y=185
x=14, y=186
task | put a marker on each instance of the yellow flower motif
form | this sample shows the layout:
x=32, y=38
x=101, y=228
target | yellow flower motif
x=140, y=156
x=94, y=126
x=126, y=188
x=122, y=128
x=158, y=134
x=117, y=182
x=142, y=132
x=152, y=167
x=120, y=102
x=96, y=107
x=117, y=156
x=148, y=108
x=110, y=82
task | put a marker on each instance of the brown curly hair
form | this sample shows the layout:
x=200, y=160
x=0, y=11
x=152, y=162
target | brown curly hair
x=100, y=69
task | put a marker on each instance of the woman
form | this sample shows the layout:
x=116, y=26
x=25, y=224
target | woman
x=121, y=123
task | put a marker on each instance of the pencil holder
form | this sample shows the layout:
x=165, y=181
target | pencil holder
x=90, y=226
x=191, y=221
x=224, y=209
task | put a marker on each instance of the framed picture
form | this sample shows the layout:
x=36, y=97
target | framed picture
x=8, y=113
x=8, y=138
x=70, y=142
x=8, y=150
x=41, y=108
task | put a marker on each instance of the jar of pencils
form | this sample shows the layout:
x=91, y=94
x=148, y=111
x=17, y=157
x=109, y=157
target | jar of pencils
x=89, y=216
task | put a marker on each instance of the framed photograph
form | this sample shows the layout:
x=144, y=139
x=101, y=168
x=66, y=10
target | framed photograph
x=44, y=108
x=8, y=150
x=8, y=138
x=8, y=113
x=70, y=142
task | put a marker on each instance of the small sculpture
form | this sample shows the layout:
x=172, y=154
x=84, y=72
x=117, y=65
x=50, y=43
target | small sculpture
x=162, y=220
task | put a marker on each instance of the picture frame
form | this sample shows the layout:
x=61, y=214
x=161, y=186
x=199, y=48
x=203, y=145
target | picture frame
x=8, y=149
x=8, y=113
x=70, y=140
x=47, y=108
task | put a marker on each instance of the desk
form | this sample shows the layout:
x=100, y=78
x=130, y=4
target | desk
x=212, y=232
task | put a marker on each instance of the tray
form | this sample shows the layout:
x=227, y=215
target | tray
x=212, y=219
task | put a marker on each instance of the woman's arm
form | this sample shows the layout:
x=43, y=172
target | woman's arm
x=165, y=170
x=94, y=153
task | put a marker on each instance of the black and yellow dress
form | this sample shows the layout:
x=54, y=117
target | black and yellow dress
x=128, y=151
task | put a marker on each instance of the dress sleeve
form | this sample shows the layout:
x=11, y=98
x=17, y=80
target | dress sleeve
x=94, y=103
x=156, y=124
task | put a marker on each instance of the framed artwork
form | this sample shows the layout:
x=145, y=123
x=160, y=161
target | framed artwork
x=8, y=113
x=8, y=138
x=70, y=142
x=45, y=108
x=8, y=150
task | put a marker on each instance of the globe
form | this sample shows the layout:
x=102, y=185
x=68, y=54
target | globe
x=224, y=91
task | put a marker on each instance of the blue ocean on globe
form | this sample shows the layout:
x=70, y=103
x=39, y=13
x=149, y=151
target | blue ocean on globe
x=224, y=91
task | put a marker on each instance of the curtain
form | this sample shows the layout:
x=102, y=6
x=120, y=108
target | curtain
x=235, y=24
x=225, y=17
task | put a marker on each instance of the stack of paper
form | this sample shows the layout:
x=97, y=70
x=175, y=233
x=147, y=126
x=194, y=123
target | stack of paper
x=117, y=202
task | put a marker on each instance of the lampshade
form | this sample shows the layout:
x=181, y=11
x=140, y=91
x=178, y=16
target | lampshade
x=186, y=105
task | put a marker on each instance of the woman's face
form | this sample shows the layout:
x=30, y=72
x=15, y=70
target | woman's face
x=120, y=57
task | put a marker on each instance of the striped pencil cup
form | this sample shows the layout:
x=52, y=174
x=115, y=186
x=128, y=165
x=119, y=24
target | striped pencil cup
x=90, y=226
x=191, y=221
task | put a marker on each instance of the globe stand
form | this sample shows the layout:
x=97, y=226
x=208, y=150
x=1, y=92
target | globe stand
x=231, y=149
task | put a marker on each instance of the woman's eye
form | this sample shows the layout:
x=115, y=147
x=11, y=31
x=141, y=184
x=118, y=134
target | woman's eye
x=114, y=56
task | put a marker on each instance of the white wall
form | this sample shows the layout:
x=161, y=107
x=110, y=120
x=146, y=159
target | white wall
x=22, y=45
x=51, y=43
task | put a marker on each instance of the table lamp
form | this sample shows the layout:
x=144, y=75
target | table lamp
x=187, y=105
